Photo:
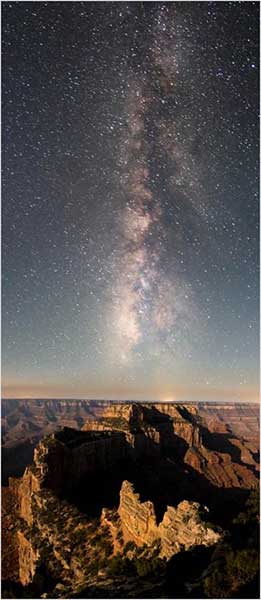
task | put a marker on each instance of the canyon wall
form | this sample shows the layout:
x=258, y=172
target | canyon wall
x=63, y=459
x=181, y=431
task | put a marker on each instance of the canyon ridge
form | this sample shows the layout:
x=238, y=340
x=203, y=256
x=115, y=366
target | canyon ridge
x=104, y=499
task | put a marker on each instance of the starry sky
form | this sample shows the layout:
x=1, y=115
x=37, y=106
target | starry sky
x=130, y=199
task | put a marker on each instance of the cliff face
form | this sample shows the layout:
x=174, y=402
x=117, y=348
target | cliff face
x=50, y=532
x=26, y=422
x=163, y=425
x=220, y=469
x=118, y=411
x=65, y=458
x=29, y=486
x=138, y=519
x=23, y=491
x=33, y=419
x=61, y=461
x=181, y=527
x=28, y=558
x=240, y=419
x=9, y=545
x=181, y=432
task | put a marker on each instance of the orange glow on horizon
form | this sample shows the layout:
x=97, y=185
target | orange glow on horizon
x=62, y=391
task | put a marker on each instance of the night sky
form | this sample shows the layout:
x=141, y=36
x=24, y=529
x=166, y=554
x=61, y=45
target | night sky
x=130, y=199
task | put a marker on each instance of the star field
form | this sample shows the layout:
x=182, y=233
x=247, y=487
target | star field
x=130, y=199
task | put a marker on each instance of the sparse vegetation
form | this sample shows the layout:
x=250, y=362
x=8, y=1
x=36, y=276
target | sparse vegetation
x=129, y=547
x=119, y=537
x=120, y=566
x=235, y=562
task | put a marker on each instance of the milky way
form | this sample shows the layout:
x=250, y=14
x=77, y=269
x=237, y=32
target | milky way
x=130, y=185
x=144, y=298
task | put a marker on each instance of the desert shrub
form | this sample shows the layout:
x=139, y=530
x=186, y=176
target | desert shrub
x=142, y=567
x=45, y=551
x=114, y=517
x=34, y=529
x=119, y=566
x=103, y=544
x=119, y=537
x=102, y=563
x=232, y=571
x=108, y=548
x=242, y=566
x=79, y=536
x=216, y=585
x=212, y=526
x=156, y=547
x=252, y=503
x=251, y=510
x=149, y=566
x=97, y=539
x=130, y=546
x=92, y=542
x=105, y=530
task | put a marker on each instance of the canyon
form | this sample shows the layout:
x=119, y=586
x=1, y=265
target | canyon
x=137, y=481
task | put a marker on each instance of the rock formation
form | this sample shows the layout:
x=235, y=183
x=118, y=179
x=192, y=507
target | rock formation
x=169, y=454
x=63, y=459
x=26, y=422
x=180, y=430
x=138, y=519
x=28, y=558
x=180, y=529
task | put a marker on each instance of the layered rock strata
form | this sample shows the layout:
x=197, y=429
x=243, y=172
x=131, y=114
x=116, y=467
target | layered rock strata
x=180, y=529
x=181, y=432
x=28, y=558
